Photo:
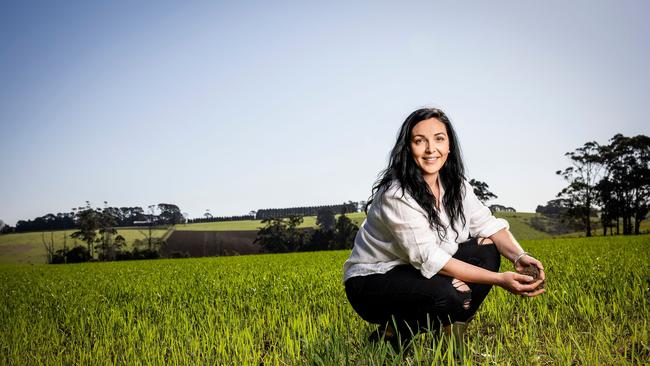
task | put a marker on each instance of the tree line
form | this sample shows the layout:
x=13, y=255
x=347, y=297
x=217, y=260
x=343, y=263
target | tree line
x=96, y=227
x=610, y=183
x=170, y=214
x=283, y=235
x=161, y=214
x=269, y=213
x=209, y=218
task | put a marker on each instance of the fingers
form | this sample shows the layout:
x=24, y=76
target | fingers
x=523, y=285
x=529, y=287
x=534, y=293
x=523, y=278
x=528, y=260
x=538, y=282
x=527, y=283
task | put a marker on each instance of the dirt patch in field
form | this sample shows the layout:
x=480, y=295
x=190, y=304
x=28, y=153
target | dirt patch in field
x=211, y=243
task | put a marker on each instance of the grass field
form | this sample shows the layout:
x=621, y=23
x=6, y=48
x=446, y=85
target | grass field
x=291, y=309
x=644, y=228
x=28, y=247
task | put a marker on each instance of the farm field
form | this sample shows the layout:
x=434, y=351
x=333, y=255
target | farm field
x=28, y=247
x=287, y=309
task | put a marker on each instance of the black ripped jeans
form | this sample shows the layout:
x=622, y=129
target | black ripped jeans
x=417, y=303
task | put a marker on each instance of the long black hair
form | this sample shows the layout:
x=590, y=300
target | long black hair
x=403, y=169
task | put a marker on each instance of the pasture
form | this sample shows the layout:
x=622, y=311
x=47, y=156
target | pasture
x=28, y=247
x=287, y=309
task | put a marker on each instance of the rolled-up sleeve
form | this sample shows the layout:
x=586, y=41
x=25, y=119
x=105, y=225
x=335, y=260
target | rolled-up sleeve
x=408, y=224
x=481, y=221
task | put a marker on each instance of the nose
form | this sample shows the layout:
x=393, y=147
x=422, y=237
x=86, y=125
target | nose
x=428, y=148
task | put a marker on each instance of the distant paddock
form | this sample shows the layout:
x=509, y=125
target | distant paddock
x=211, y=243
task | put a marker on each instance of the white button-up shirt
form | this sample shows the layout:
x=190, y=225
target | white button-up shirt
x=396, y=231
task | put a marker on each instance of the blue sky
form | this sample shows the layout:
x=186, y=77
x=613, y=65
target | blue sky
x=238, y=106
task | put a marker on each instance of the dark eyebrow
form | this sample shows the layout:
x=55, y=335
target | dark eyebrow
x=439, y=133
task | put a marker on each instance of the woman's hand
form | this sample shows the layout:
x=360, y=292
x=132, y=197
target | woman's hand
x=520, y=284
x=526, y=261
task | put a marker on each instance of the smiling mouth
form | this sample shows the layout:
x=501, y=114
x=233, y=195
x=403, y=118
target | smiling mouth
x=430, y=159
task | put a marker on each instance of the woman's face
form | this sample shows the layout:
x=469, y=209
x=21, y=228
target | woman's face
x=430, y=146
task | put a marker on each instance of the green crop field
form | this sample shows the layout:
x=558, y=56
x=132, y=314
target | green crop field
x=291, y=309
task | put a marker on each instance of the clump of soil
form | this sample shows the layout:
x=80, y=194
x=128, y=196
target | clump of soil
x=533, y=271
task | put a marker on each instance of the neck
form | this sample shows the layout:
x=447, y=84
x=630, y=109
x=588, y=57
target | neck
x=432, y=181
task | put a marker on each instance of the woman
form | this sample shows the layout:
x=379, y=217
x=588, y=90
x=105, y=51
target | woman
x=429, y=251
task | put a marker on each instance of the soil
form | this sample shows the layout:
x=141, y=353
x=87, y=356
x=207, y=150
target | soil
x=212, y=243
x=533, y=272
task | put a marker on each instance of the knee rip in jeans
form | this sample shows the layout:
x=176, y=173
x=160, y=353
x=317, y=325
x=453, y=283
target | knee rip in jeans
x=462, y=287
x=484, y=241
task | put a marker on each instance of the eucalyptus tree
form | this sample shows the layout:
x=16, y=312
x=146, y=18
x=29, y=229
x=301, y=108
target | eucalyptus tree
x=583, y=175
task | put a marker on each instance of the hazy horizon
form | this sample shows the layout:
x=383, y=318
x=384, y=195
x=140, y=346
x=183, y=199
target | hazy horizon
x=241, y=106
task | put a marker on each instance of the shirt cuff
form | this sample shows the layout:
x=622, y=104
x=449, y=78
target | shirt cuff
x=434, y=263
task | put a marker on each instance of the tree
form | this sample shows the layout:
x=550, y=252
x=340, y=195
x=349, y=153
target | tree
x=281, y=235
x=326, y=219
x=556, y=218
x=582, y=177
x=48, y=222
x=97, y=226
x=49, y=246
x=88, y=223
x=78, y=254
x=323, y=237
x=609, y=202
x=346, y=231
x=150, y=223
x=556, y=208
x=481, y=190
x=7, y=229
x=319, y=240
x=170, y=214
x=106, y=223
x=149, y=244
x=627, y=161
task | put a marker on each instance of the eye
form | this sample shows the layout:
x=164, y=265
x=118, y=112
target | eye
x=440, y=138
x=417, y=141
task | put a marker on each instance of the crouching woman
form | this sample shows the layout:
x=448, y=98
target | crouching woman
x=429, y=251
